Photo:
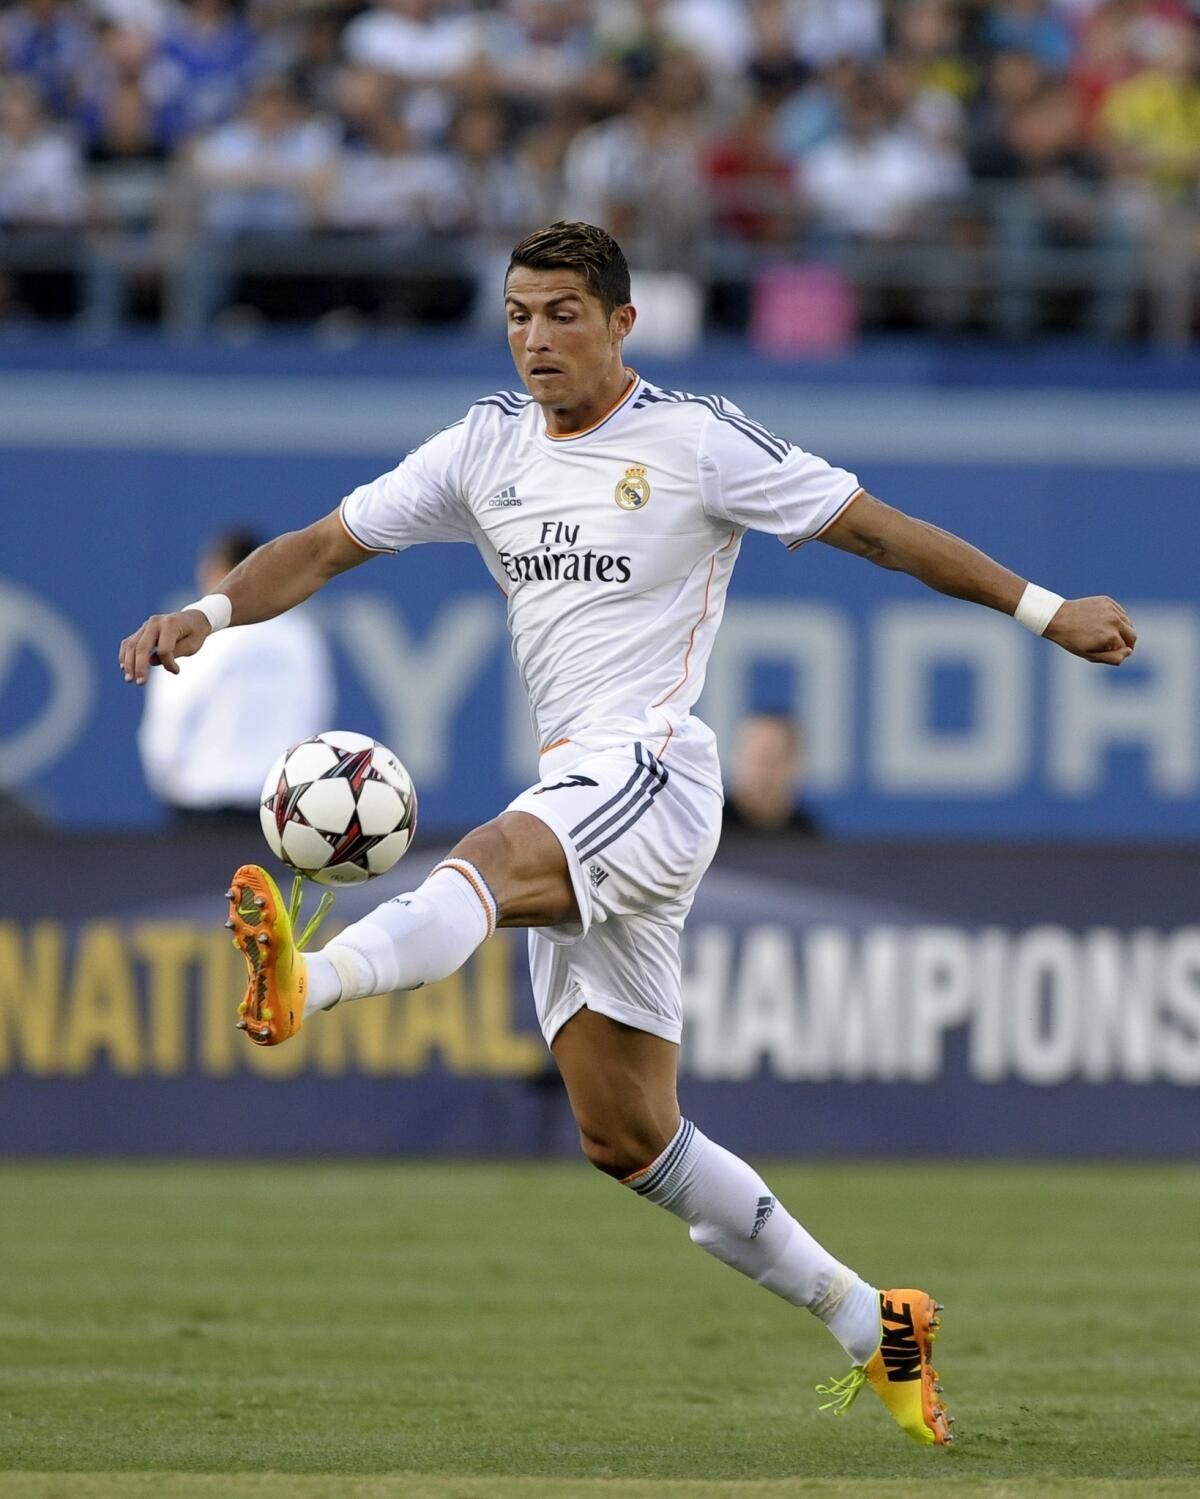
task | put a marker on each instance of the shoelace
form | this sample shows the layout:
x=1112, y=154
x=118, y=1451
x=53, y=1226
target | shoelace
x=324, y=906
x=843, y=1392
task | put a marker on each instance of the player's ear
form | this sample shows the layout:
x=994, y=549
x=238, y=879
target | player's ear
x=623, y=320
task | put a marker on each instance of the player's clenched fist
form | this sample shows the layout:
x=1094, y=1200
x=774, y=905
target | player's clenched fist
x=1097, y=629
x=161, y=640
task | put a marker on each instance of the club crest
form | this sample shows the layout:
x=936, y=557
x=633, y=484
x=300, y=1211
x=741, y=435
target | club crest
x=633, y=492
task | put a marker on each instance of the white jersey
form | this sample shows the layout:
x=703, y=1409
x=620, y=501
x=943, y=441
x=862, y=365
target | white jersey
x=613, y=545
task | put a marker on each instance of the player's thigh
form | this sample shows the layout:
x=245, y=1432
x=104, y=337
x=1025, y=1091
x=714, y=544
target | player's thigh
x=525, y=869
x=621, y=1082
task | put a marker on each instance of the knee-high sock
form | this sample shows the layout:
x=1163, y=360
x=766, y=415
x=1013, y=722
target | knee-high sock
x=731, y=1212
x=415, y=939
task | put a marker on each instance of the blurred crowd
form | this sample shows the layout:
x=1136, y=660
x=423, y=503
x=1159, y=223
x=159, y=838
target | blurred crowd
x=190, y=140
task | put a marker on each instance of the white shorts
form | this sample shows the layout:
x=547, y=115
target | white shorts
x=637, y=837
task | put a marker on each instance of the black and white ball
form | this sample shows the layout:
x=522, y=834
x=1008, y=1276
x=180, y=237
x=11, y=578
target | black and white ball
x=338, y=808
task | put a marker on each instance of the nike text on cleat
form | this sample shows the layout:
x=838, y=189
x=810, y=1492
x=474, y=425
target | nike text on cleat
x=900, y=1371
x=273, y=1007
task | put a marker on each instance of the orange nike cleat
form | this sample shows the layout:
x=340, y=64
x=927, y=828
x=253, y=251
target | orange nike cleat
x=273, y=1009
x=900, y=1370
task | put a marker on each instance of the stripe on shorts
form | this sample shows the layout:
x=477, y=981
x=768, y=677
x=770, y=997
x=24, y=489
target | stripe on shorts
x=639, y=811
x=633, y=800
x=611, y=802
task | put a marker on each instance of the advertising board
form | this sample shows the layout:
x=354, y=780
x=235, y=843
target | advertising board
x=871, y=999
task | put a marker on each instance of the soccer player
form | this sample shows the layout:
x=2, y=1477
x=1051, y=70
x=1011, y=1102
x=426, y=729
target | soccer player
x=610, y=512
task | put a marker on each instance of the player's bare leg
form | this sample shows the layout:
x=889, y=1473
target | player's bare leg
x=621, y=1083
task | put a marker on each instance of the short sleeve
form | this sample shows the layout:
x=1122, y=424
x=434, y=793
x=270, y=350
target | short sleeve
x=752, y=478
x=418, y=500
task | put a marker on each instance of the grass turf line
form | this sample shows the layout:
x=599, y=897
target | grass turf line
x=508, y=1322
x=291, y=1486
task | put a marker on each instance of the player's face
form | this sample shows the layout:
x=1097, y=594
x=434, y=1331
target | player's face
x=566, y=347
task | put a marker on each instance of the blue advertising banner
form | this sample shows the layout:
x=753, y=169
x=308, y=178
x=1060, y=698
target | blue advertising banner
x=923, y=717
x=856, y=1000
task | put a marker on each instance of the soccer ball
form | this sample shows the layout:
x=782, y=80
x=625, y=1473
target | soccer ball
x=338, y=808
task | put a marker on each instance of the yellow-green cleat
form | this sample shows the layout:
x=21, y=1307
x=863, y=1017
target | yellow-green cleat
x=901, y=1371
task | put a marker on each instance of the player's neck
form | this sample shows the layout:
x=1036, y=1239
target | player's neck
x=563, y=421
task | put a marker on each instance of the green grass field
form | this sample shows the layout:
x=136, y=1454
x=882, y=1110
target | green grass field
x=501, y=1331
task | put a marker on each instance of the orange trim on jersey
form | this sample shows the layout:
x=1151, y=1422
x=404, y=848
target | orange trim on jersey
x=615, y=407
x=687, y=659
x=479, y=888
x=374, y=551
x=841, y=510
x=558, y=744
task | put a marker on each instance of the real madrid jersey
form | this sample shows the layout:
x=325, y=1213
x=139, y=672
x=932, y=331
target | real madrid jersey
x=614, y=546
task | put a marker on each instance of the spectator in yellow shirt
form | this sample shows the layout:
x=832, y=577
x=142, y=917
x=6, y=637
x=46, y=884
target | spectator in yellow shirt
x=1153, y=119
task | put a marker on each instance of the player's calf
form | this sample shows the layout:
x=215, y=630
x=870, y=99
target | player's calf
x=414, y=939
x=509, y=872
x=616, y=1152
x=621, y=1083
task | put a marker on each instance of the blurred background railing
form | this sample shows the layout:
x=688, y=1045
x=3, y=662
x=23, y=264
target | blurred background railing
x=988, y=261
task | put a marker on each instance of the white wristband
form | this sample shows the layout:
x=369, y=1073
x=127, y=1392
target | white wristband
x=215, y=607
x=1037, y=608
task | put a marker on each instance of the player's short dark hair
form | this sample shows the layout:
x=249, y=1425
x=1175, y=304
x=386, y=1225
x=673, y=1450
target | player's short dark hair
x=590, y=251
x=234, y=546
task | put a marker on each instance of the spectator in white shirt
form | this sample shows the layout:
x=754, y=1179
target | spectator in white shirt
x=209, y=735
x=722, y=34
x=497, y=184
x=640, y=173
x=268, y=170
x=41, y=166
x=538, y=49
x=826, y=31
x=42, y=202
x=266, y=175
x=387, y=181
x=871, y=181
x=421, y=41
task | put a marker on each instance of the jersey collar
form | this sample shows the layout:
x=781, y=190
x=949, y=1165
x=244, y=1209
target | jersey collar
x=623, y=400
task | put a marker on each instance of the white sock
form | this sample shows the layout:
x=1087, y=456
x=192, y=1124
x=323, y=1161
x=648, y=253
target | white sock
x=412, y=940
x=731, y=1212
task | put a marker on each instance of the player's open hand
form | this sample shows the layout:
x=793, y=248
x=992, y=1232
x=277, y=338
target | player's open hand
x=1097, y=629
x=160, y=641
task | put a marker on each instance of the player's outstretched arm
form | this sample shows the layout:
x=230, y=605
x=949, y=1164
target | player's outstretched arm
x=1097, y=629
x=278, y=576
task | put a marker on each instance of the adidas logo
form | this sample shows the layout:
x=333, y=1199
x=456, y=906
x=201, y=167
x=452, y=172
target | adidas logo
x=766, y=1206
x=597, y=875
x=504, y=499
